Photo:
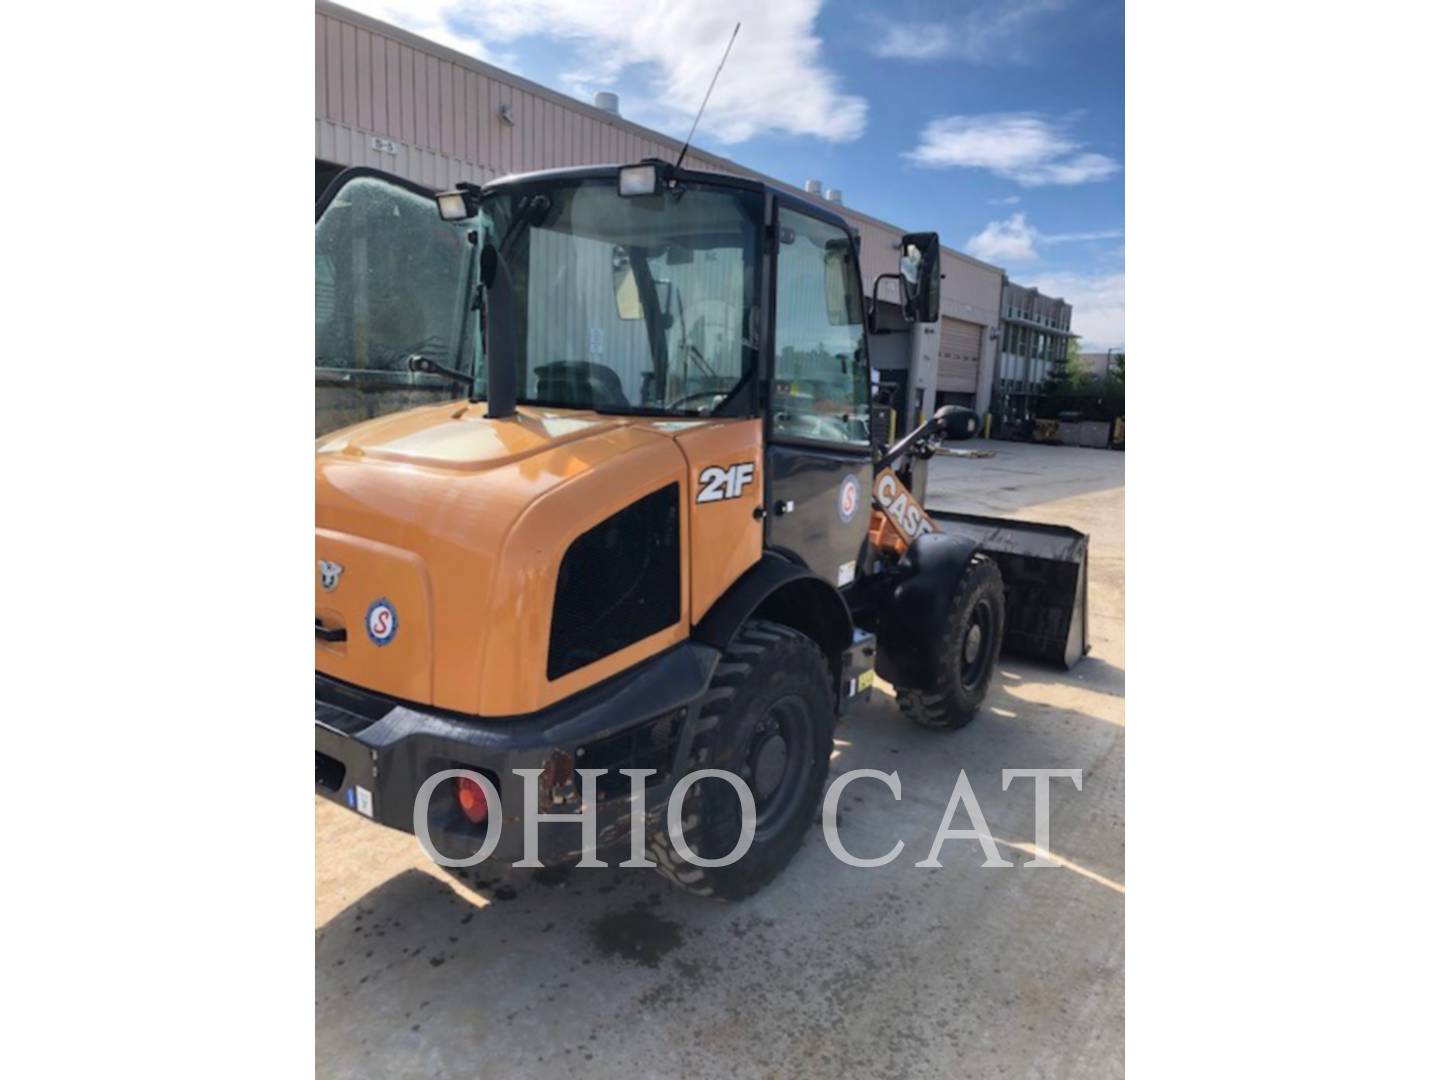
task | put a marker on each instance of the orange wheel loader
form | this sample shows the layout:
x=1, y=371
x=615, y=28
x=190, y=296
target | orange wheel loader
x=598, y=490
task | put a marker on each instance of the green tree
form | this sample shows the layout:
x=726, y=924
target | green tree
x=1115, y=377
x=1074, y=377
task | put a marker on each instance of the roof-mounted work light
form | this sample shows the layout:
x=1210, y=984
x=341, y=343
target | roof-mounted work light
x=638, y=180
x=461, y=204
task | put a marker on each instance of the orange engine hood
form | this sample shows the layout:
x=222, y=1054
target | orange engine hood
x=457, y=523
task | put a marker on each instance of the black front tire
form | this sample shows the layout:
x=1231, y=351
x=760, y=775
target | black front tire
x=973, y=634
x=772, y=683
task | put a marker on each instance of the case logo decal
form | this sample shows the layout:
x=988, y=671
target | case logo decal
x=725, y=482
x=330, y=574
x=381, y=622
x=849, y=498
x=900, y=506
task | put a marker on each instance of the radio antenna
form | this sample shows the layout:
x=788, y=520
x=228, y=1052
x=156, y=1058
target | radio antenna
x=706, y=100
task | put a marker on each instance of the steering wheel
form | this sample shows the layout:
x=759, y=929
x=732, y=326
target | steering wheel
x=715, y=396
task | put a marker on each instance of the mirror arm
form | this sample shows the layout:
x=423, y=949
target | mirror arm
x=926, y=439
x=872, y=311
x=910, y=442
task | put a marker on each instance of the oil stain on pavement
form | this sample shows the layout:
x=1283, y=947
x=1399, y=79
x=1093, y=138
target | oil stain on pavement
x=637, y=933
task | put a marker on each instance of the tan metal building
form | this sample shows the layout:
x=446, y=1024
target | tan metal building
x=391, y=100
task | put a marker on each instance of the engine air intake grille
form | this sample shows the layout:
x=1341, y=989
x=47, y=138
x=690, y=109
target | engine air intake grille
x=618, y=583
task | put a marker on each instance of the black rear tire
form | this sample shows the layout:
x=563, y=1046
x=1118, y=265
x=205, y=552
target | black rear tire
x=973, y=634
x=769, y=717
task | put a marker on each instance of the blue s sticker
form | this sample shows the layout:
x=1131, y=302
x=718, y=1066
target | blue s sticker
x=381, y=622
x=849, y=498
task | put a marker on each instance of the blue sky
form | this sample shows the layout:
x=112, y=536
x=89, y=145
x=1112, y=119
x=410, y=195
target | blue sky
x=999, y=123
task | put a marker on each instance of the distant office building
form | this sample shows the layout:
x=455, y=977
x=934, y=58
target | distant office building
x=1034, y=338
x=1101, y=364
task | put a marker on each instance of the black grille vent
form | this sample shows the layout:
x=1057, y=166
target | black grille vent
x=619, y=583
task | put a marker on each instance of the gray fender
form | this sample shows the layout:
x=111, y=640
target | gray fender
x=777, y=589
x=911, y=626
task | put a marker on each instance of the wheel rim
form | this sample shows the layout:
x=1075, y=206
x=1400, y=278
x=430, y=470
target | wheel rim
x=777, y=762
x=976, y=645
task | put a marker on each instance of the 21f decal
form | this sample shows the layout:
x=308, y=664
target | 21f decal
x=725, y=482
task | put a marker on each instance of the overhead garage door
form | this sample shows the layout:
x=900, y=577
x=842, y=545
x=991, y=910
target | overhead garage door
x=959, y=361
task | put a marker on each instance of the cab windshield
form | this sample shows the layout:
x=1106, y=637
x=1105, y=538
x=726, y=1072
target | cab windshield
x=641, y=304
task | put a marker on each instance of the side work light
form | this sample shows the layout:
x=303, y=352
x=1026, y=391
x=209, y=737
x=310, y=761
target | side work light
x=638, y=180
x=460, y=204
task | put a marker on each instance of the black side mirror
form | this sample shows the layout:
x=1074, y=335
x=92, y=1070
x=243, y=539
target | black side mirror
x=920, y=275
x=959, y=422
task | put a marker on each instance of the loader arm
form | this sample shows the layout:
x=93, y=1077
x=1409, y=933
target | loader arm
x=1045, y=567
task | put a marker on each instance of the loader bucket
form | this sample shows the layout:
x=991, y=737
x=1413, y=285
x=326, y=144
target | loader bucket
x=1046, y=573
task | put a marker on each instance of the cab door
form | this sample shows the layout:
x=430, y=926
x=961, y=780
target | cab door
x=818, y=453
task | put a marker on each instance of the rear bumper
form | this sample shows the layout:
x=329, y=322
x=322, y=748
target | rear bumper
x=373, y=754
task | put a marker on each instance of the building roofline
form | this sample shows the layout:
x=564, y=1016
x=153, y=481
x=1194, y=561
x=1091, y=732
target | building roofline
x=518, y=82
x=1035, y=289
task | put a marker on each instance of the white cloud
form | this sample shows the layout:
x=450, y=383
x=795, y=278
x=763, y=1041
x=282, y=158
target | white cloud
x=428, y=19
x=1081, y=169
x=909, y=41
x=1098, y=301
x=1015, y=240
x=1010, y=241
x=775, y=81
x=1023, y=147
x=990, y=32
x=1073, y=237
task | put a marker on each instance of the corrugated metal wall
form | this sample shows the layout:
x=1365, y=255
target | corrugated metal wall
x=445, y=116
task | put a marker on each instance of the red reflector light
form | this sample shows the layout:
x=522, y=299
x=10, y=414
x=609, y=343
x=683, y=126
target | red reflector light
x=471, y=797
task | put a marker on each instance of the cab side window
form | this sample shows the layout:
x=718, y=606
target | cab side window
x=821, y=387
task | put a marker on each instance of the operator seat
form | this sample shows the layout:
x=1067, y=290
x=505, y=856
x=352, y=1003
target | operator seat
x=580, y=384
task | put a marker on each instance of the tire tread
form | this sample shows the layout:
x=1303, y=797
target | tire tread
x=755, y=639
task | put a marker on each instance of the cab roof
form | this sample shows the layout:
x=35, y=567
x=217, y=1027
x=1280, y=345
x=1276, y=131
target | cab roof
x=612, y=172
